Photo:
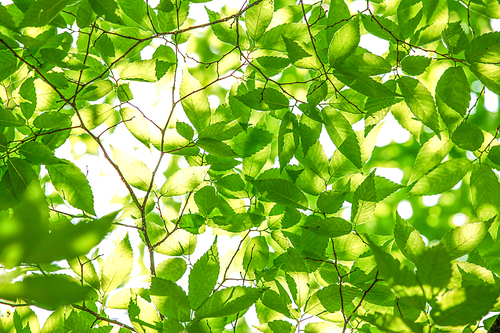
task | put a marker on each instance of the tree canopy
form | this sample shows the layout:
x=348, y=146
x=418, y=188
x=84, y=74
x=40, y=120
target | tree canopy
x=265, y=139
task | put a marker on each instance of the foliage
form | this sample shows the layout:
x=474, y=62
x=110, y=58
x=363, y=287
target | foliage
x=320, y=246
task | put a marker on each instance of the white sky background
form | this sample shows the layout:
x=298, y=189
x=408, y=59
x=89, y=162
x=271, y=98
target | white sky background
x=105, y=182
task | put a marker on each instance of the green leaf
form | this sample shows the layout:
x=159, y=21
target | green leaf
x=203, y=277
x=206, y=200
x=96, y=90
x=143, y=315
x=257, y=18
x=227, y=32
x=281, y=326
x=251, y=142
x=50, y=119
x=485, y=193
x=429, y=156
x=468, y=136
x=392, y=323
x=264, y=99
x=344, y=42
x=329, y=227
x=72, y=185
x=415, y=65
x=331, y=201
x=288, y=139
x=408, y=239
x=228, y=301
x=220, y=131
x=84, y=15
x=281, y=191
x=21, y=175
x=170, y=299
x=453, y=89
x=342, y=135
x=145, y=70
x=136, y=124
x=216, y=147
x=364, y=201
x=461, y=240
x=42, y=12
x=399, y=277
x=455, y=38
x=117, y=266
x=464, y=306
x=494, y=154
x=93, y=116
x=48, y=292
x=294, y=51
x=256, y=254
x=9, y=118
x=124, y=93
x=184, y=181
x=368, y=64
x=194, y=101
x=38, y=153
x=137, y=10
x=420, y=102
x=350, y=247
x=83, y=264
x=484, y=49
x=171, y=269
x=434, y=270
x=362, y=83
x=135, y=172
x=331, y=299
x=443, y=178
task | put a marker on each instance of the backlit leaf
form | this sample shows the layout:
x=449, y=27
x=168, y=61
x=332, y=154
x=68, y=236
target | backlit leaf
x=344, y=42
x=117, y=266
x=184, y=181
x=453, y=89
x=468, y=136
x=194, y=101
x=203, y=277
x=133, y=169
x=258, y=17
x=461, y=240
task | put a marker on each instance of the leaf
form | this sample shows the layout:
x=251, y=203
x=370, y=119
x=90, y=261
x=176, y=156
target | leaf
x=264, y=99
x=143, y=315
x=227, y=32
x=50, y=119
x=362, y=83
x=169, y=299
x=443, y=178
x=485, y=193
x=461, y=240
x=430, y=155
x=21, y=176
x=342, y=135
x=415, y=65
x=42, y=12
x=9, y=118
x=468, y=136
x=364, y=201
x=488, y=74
x=328, y=227
x=368, y=64
x=256, y=255
x=206, y=200
x=251, y=142
x=96, y=90
x=93, y=116
x=194, y=101
x=145, y=70
x=136, y=124
x=392, y=323
x=72, y=185
x=83, y=264
x=420, y=102
x=455, y=38
x=48, y=292
x=184, y=181
x=288, y=139
x=38, y=153
x=135, y=172
x=434, y=270
x=408, y=239
x=294, y=51
x=117, y=266
x=464, y=306
x=137, y=10
x=344, y=42
x=84, y=15
x=228, y=301
x=171, y=269
x=203, y=277
x=331, y=201
x=453, y=89
x=281, y=191
x=484, y=49
x=257, y=18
